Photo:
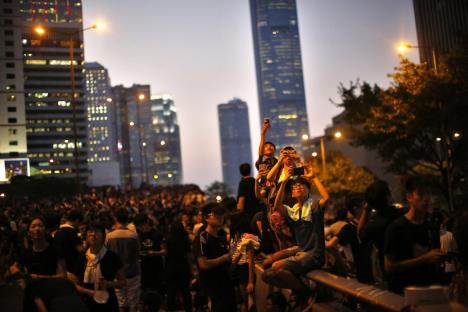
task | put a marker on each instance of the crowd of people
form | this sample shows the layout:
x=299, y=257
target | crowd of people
x=173, y=248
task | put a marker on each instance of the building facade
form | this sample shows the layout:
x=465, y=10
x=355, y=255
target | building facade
x=280, y=82
x=440, y=25
x=102, y=144
x=133, y=128
x=234, y=132
x=54, y=88
x=167, y=158
x=13, y=146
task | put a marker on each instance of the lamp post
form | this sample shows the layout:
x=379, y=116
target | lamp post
x=141, y=143
x=336, y=135
x=41, y=31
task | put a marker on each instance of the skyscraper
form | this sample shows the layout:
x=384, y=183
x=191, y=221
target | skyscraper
x=133, y=127
x=102, y=143
x=234, y=133
x=440, y=25
x=55, y=106
x=13, y=160
x=166, y=137
x=280, y=82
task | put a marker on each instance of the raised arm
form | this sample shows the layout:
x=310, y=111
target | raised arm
x=272, y=173
x=265, y=127
x=279, y=196
x=311, y=175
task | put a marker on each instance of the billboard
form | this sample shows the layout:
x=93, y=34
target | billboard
x=13, y=167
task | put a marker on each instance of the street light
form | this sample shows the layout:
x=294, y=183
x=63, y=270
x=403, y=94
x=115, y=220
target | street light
x=336, y=135
x=41, y=31
x=143, y=159
x=402, y=47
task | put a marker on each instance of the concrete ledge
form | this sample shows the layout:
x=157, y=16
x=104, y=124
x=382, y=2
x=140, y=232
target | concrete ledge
x=383, y=299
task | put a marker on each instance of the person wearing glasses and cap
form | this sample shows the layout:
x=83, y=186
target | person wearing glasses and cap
x=211, y=249
x=306, y=218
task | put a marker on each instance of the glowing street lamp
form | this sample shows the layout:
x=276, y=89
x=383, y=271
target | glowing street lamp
x=402, y=47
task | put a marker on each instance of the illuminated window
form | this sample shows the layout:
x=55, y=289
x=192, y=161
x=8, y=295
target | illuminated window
x=11, y=98
x=36, y=62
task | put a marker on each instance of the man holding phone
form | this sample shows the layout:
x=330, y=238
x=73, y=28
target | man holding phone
x=266, y=150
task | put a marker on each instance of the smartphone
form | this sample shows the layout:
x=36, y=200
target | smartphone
x=266, y=120
x=298, y=171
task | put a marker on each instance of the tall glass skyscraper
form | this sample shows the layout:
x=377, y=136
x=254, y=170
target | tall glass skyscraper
x=234, y=132
x=280, y=82
x=166, y=137
x=102, y=143
x=51, y=95
x=133, y=127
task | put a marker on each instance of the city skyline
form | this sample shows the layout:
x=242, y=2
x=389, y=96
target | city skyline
x=202, y=53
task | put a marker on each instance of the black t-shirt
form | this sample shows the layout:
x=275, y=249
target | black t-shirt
x=42, y=263
x=374, y=230
x=151, y=265
x=266, y=236
x=405, y=240
x=247, y=190
x=270, y=162
x=49, y=289
x=66, y=240
x=178, y=251
x=212, y=247
x=110, y=265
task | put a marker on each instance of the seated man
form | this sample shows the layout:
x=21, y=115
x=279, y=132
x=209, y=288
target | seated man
x=306, y=218
x=412, y=252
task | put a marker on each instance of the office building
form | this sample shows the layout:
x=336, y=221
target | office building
x=102, y=143
x=13, y=148
x=440, y=25
x=167, y=159
x=133, y=127
x=54, y=88
x=280, y=83
x=234, y=132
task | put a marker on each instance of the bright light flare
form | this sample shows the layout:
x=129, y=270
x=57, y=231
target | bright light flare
x=314, y=154
x=219, y=198
x=99, y=25
x=305, y=137
x=141, y=97
x=39, y=30
x=338, y=134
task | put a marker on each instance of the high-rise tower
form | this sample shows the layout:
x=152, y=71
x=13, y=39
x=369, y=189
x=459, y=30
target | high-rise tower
x=166, y=137
x=54, y=88
x=234, y=132
x=102, y=143
x=280, y=82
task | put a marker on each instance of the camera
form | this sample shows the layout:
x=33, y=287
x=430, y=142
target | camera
x=298, y=171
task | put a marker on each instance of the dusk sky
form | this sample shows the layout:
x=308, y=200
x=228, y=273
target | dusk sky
x=201, y=53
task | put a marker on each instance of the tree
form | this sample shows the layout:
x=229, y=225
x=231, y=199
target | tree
x=413, y=124
x=344, y=177
x=217, y=188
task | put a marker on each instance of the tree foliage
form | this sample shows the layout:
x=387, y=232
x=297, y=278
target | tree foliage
x=344, y=177
x=411, y=124
x=217, y=188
